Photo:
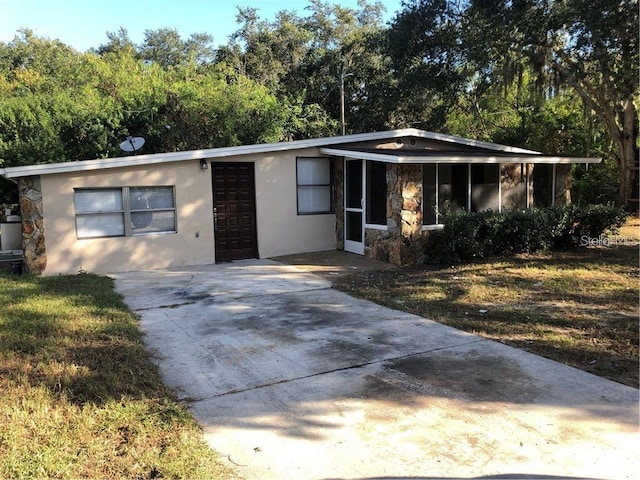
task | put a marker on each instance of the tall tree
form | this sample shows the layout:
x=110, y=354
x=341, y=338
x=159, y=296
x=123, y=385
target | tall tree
x=428, y=62
x=118, y=41
x=310, y=58
x=347, y=66
x=59, y=105
x=163, y=46
x=199, y=49
x=268, y=52
x=590, y=46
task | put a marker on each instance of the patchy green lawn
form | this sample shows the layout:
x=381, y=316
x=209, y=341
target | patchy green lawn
x=79, y=396
x=579, y=308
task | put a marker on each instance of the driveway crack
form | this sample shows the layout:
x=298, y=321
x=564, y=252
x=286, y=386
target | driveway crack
x=334, y=370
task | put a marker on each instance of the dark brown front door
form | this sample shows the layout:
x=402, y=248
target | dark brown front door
x=234, y=211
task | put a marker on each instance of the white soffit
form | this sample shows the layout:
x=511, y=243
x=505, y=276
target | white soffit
x=479, y=157
x=212, y=153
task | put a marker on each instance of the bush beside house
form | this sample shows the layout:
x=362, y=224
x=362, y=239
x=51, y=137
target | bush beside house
x=469, y=236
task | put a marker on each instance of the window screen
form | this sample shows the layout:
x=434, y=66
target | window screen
x=485, y=187
x=429, y=188
x=453, y=187
x=376, y=193
x=448, y=186
x=99, y=213
x=126, y=211
x=542, y=185
x=152, y=209
x=314, y=185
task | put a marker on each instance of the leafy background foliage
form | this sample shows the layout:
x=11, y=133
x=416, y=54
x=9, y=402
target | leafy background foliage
x=558, y=77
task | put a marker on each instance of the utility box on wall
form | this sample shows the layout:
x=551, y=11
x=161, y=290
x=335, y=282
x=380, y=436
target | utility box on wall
x=11, y=233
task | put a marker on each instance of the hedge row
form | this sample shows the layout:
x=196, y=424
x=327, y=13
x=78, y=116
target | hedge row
x=468, y=236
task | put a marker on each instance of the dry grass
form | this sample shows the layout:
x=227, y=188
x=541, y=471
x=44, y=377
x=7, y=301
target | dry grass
x=79, y=396
x=579, y=308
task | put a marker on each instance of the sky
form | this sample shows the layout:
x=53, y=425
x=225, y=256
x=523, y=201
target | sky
x=83, y=24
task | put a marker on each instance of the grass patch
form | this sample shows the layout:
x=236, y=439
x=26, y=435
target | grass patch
x=579, y=308
x=79, y=395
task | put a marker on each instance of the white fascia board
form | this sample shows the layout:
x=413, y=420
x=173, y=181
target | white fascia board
x=542, y=159
x=81, y=166
x=443, y=158
x=378, y=157
x=135, y=160
x=156, y=158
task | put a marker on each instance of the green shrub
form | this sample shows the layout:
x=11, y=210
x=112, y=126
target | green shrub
x=601, y=218
x=573, y=223
x=524, y=231
x=595, y=184
x=469, y=236
x=466, y=236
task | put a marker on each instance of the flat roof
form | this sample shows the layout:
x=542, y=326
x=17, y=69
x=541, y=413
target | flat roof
x=486, y=152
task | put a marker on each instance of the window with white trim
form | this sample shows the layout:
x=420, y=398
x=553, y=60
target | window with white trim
x=485, y=188
x=124, y=211
x=458, y=187
x=543, y=178
x=376, y=207
x=444, y=186
x=314, y=185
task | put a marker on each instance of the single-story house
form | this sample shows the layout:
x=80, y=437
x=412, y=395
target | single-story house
x=377, y=194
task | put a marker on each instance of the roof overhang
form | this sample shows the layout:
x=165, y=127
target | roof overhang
x=326, y=144
x=443, y=157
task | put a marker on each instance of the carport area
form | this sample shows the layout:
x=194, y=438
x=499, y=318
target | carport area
x=291, y=379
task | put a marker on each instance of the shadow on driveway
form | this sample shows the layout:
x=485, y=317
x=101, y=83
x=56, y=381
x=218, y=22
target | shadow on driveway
x=291, y=379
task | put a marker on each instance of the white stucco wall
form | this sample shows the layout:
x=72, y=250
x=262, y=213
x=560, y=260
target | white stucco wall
x=67, y=254
x=280, y=230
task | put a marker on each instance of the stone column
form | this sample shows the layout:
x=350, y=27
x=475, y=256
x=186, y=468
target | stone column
x=513, y=179
x=403, y=240
x=411, y=213
x=33, y=245
x=529, y=197
x=394, y=200
x=563, y=185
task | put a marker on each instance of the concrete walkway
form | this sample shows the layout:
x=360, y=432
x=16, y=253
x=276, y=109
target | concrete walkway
x=293, y=380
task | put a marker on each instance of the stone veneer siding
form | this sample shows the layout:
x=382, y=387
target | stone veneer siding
x=33, y=242
x=402, y=243
x=563, y=185
x=513, y=180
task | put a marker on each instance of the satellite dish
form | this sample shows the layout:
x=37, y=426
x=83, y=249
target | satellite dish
x=132, y=144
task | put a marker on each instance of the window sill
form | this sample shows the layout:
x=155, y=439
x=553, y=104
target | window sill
x=306, y=214
x=161, y=232
x=439, y=226
x=375, y=227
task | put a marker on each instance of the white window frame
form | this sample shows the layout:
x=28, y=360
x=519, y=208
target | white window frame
x=432, y=226
x=439, y=226
x=126, y=211
x=366, y=199
x=300, y=186
x=498, y=180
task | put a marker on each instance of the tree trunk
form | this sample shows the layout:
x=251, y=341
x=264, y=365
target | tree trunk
x=623, y=128
x=629, y=157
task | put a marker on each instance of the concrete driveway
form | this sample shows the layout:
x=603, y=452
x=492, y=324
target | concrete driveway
x=293, y=380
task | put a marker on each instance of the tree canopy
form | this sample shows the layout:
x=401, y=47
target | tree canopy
x=551, y=75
